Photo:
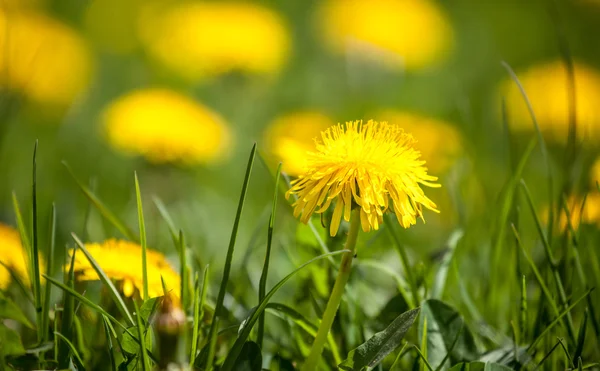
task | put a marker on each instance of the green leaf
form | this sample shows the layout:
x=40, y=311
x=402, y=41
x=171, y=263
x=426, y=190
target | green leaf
x=148, y=308
x=10, y=310
x=250, y=358
x=130, y=343
x=371, y=352
x=480, y=366
x=10, y=342
x=444, y=325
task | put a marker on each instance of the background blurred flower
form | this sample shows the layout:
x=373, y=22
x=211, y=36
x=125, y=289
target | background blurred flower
x=410, y=33
x=439, y=142
x=42, y=58
x=12, y=256
x=165, y=126
x=198, y=39
x=289, y=137
x=547, y=87
x=122, y=261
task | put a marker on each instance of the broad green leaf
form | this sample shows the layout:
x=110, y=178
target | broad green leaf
x=10, y=342
x=444, y=325
x=250, y=358
x=371, y=352
x=130, y=343
x=480, y=366
x=10, y=310
x=148, y=308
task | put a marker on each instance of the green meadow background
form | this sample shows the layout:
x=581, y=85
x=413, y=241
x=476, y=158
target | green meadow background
x=464, y=87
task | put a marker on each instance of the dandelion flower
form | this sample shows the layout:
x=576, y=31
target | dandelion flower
x=204, y=39
x=290, y=136
x=42, y=59
x=122, y=262
x=412, y=33
x=444, y=142
x=165, y=127
x=547, y=87
x=13, y=256
x=363, y=165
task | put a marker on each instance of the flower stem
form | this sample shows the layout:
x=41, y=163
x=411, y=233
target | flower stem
x=336, y=295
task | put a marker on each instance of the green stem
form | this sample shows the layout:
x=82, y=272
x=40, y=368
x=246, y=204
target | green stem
x=336, y=295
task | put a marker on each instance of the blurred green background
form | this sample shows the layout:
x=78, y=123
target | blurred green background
x=214, y=77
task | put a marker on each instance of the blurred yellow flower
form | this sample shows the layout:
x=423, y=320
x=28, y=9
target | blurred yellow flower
x=439, y=142
x=408, y=33
x=363, y=165
x=546, y=86
x=590, y=214
x=200, y=39
x=289, y=137
x=122, y=262
x=42, y=58
x=13, y=256
x=165, y=126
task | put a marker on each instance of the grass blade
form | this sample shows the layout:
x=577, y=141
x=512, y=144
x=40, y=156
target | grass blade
x=111, y=351
x=442, y=273
x=162, y=210
x=106, y=213
x=142, y=224
x=551, y=261
x=68, y=315
x=581, y=336
x=114, y=293
x=263, y=276
x=49, y=270
x=24, y=235
x=405, y=263
x=255, y=313
x=140, y=330
x=35, y=254
x=423, y=358
x=557, y=319
x=70, y=347
x=523, y=309
x=184, y=272
x=212, y=335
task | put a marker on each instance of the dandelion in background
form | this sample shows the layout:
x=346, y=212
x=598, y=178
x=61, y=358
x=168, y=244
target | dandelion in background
x=289, y=137
x=547, y=87
x=205, y=39
x=42, y=59
x=441, y=143
x=12, y=256
x=122, y=262
x=409, y=34
x=363, y=171
x=166, y=127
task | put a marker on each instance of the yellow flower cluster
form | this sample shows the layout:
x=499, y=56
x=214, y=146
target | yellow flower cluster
x=408, y=33
x=165, y=126
x=42, y=59
x=372, y=166
x=122, y=262
x=289, y=137
x=12, y=256
x=204, y=39
x=547, y=87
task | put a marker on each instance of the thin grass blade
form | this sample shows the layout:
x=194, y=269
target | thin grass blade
x=49, y=270
x=184, y=272
x=140, y=332
x=35, y=254
x=143, y=243
x=70, y=347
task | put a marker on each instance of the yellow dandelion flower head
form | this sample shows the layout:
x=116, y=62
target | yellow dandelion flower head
x=595, y=174
x=43, y=59
x=165, y=126
x=547, y=87
x=411, y=33
x=363, y=165
x=13, y=256
x=200, y=39
x=444, y=142
x=122, y=262
x=290, y=136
